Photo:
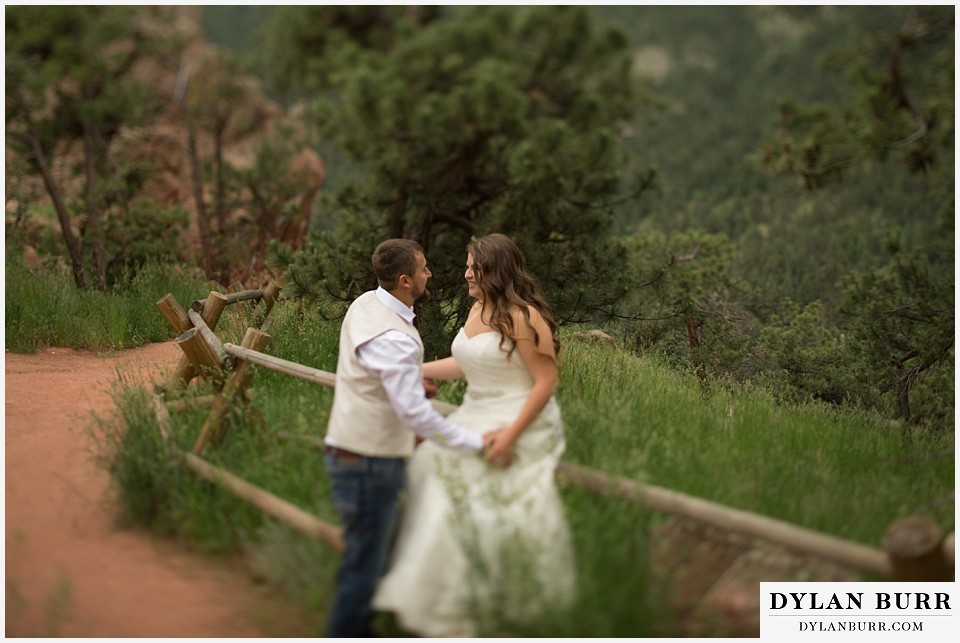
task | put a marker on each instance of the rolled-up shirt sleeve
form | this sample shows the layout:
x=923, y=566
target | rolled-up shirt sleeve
x=395, y=357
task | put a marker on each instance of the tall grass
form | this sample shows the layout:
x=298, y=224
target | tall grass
x=44, y=308
x=846, y=474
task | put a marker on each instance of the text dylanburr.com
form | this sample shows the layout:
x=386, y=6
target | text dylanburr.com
x=857, y=611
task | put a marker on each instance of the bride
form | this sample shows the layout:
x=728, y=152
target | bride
x=482, y=544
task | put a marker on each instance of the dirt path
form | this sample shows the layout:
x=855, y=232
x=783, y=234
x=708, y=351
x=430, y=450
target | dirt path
x=70, y=570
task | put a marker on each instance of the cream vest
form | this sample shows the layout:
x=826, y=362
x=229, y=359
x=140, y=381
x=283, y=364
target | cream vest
x=362, y=419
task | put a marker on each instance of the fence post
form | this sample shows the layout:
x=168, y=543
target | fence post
x=212, y=309
x=208, y=335
x=268, y=298
x=914, y=546
x=232, y=390
x=201, y=354
x=174, y=313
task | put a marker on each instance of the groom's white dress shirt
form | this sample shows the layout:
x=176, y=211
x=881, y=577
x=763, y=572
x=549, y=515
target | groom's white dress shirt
x=394, y=357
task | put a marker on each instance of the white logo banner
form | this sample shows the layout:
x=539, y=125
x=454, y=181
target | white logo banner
x=860, y=611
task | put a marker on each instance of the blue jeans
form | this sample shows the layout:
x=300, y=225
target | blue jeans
x=364, y=492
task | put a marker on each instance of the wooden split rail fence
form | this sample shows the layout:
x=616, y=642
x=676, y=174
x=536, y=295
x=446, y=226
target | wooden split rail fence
x=915, y=548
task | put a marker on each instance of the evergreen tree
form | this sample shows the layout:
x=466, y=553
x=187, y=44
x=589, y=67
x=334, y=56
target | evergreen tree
x=64, y=86
x=901, y=313
x=901, y=103
x=903, y=316
x=490, y=119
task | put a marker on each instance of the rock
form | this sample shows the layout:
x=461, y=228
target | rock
x=594, y=335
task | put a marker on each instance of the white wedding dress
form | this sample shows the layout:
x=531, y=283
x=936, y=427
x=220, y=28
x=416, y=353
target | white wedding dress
x=478, y=544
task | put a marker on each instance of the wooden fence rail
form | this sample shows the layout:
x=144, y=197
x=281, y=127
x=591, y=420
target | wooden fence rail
x=861, y=557
x=270, y=504
x=287, y=367
x=915, y=548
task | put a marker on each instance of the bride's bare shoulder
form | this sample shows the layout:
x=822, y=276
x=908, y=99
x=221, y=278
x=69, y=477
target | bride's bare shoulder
x=532, y=325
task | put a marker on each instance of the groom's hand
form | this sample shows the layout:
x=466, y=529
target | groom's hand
x=430, y=387
x=498, y=448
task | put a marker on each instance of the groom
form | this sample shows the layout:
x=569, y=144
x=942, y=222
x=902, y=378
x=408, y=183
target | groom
x=379, y=407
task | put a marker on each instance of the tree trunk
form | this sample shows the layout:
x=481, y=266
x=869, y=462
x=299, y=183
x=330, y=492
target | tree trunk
x=903, y=397
x=219, y=202
x=266, y=223
x=92, y=235
x=74, y=247
x=197, y=179
x=906, y=377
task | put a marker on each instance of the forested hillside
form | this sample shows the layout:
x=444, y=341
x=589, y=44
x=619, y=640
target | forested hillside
x=760, y=195
x=742, y=85
x=719, y=76
x=724, y=72
x=790, y=219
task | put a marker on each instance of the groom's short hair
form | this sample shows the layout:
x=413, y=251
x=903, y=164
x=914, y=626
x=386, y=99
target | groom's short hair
x=395, y=257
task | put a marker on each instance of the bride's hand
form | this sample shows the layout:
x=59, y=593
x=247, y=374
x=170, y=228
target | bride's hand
x=498, y=447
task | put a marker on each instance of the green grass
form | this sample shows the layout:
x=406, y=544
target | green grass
x=44, y=308
x=850, y=475
x=844, y=473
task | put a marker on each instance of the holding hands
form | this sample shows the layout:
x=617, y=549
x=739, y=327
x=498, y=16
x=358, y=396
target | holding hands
x=498, y=447
x=430, y=387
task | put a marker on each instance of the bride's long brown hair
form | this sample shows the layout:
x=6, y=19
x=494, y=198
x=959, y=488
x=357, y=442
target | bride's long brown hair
x=501, y=274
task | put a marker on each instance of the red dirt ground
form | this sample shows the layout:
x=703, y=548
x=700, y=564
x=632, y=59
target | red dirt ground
x=71, y=571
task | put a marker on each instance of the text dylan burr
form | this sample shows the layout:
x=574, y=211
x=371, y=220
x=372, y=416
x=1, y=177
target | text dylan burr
x=855, y=601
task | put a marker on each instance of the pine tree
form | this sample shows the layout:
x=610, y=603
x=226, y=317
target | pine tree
x=490, y=119
x=66, y=86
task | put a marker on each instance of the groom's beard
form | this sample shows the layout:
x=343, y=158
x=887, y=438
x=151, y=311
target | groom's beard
x=423, y=298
